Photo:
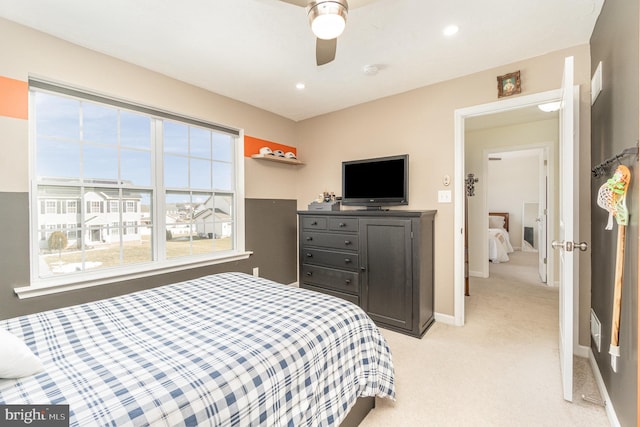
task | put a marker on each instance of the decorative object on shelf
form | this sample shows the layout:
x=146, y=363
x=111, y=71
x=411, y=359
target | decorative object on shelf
x=326, y=196
x=509, y=84
x=266, y=151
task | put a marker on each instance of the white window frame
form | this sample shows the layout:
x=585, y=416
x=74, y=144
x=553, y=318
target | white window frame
x=50, y=285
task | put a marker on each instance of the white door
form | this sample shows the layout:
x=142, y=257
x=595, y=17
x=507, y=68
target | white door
x=565, y=240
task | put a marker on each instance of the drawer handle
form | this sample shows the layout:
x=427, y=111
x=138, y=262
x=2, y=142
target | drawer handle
x=309, y=239
x=309, y=273
x=347, y=242
x=342, y=224
x=347, y=260
x=347, y=282
x=309, y=255
x=314, y=223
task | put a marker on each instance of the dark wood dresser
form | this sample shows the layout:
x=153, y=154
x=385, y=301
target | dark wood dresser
x=379, y=260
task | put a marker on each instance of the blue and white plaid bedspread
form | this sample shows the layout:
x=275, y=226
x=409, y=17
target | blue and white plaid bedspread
x=223, y=350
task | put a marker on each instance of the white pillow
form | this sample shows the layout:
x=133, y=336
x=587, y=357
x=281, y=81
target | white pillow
x=496, y=221
x=16, y=359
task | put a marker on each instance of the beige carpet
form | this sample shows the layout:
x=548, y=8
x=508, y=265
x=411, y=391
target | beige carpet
x=500, y=369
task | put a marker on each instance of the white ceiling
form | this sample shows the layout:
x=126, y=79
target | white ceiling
x=256, y=51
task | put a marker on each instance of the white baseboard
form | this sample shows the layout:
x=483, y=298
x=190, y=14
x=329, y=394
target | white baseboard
x=582, y=351
x=445, y=318
x=608, y=406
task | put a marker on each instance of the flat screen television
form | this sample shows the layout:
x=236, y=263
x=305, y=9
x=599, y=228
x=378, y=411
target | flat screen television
x=376, y=183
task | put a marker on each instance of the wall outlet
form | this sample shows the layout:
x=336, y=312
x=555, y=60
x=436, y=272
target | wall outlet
x=444, y=196
x=256, y=271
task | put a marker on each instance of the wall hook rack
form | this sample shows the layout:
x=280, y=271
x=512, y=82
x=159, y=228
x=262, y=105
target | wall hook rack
x=603, y=168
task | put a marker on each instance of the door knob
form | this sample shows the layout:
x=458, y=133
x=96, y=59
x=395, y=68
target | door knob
x=583, y=246
x=569, y=246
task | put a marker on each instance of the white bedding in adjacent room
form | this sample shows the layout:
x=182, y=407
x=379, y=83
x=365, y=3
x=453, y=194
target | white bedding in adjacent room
x=499, y=245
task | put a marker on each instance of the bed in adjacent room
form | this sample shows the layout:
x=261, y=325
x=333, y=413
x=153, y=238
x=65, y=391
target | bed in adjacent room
x=498, y=236
x=224, y=350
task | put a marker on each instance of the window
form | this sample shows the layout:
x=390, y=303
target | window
x=132, y=188
x=50, y=207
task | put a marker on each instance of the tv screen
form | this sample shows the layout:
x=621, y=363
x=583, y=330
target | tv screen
x=376, y=182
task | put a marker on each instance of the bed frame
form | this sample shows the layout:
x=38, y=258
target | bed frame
x=359, y=411
x=505, y=215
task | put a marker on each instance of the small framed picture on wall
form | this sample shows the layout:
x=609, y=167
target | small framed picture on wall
x=509, y=84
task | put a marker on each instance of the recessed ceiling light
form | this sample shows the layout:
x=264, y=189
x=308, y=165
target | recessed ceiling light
x=300, y=86
x=450, y=30
x=370, y=70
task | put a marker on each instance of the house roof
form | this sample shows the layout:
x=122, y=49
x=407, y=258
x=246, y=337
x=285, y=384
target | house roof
x=256, y=51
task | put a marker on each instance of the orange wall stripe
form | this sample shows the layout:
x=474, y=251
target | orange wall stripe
x=253, y=145
x=14, y=98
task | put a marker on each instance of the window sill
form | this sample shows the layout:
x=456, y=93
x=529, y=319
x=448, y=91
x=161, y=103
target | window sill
x=51, y=287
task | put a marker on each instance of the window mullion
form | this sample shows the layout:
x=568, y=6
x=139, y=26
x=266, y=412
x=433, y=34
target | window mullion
x=159, y=197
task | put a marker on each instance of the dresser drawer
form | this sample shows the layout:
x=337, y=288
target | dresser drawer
x=343, y=260
x=330, y=240
x=351, y=298
x=314, y=223
x=339, y=280
x=342, y=224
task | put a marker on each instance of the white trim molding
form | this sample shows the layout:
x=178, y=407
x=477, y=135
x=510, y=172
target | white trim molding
x=608, y=406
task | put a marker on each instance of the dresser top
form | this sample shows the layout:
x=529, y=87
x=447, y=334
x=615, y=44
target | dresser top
x=371, y=213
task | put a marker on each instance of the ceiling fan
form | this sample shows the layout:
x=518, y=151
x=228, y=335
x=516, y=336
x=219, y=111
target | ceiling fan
x=327, y=19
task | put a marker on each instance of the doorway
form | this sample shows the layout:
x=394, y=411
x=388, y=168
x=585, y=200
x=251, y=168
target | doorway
x=463, y=117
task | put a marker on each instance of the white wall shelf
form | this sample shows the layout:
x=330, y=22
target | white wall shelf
x=277, y=159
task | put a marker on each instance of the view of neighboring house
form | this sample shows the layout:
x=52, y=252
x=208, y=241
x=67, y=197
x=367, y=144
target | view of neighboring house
x=103, y=216
x=213, y=218
x=100, y=215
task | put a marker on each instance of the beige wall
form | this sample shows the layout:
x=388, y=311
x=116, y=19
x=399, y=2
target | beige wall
x=421, y=123
x=31, y=53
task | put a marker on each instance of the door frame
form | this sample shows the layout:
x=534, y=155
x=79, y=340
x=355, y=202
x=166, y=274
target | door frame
x=459, y=182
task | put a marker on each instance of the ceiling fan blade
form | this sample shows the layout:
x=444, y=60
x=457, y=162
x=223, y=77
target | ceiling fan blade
x=325, y=51
x=301, y=3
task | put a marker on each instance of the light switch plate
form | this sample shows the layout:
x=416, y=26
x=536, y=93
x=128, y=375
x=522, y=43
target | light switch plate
x=444, y=196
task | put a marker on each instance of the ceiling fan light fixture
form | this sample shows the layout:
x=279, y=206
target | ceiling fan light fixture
x=328, y=18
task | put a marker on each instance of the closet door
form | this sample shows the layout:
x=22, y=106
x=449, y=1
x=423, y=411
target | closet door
x=386, y=266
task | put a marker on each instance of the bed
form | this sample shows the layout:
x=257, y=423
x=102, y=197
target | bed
x=498, y=237
x=225, y=350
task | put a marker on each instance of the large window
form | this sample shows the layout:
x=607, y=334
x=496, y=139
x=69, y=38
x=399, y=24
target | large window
x=120, y=188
